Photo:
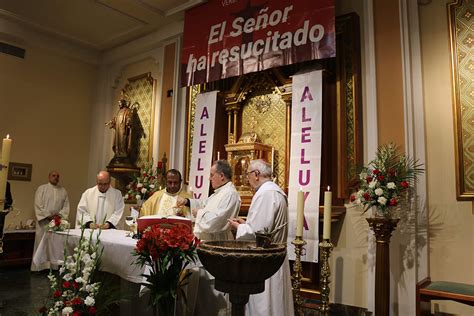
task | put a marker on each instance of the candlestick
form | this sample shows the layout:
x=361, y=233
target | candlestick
x=6, y=148
x=327, y=214
x=299, y=213
x=297, y=275
x=325, y=248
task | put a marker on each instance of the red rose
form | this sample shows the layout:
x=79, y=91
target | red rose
x=392, y=173
x=57, y=293
x=75, y=285
x=393, y=202
x=353, y=198
x=404, y=184
x=66, y=284
x=381, y=177
x=57, y=220
x=369, y=179
x=376, y=171
x=76, y=301
x=92, y=310
x=76, y=313
x=366, y=196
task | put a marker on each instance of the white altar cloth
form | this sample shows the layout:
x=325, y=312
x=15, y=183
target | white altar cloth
x=117, y=257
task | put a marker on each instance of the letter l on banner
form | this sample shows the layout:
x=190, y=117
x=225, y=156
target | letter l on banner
x=305, y=159
x=203, y=142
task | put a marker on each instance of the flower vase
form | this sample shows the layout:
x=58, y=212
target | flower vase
x=383, y=226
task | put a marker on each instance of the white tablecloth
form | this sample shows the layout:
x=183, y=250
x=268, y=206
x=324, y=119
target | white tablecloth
x=117, y=256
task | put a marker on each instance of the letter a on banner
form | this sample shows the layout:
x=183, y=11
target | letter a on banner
x=305, y=159
x=203, y=142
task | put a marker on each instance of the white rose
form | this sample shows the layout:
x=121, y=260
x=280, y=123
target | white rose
x=89, y=301
x=67, y=310
x=139, y=185
x=138, y=197
x=391, y=185
x=67, y=277
x=363, y=175
x=125, y=197
x=152, y=186
x=378, y=191
x=143, y=191
x=382, y=200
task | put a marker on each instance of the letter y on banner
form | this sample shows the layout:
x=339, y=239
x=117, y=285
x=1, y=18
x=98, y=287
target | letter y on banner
x=305, y=159
x=203, y=142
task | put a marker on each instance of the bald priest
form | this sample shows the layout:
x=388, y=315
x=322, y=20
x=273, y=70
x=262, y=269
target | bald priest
x=163, y=202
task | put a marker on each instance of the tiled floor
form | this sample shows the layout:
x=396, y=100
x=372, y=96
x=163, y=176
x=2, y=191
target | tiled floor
x=23, y=292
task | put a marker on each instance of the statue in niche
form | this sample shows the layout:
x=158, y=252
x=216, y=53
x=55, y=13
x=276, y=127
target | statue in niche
x=122, y=123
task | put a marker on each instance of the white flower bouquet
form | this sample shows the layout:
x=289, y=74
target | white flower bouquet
x=73, y=291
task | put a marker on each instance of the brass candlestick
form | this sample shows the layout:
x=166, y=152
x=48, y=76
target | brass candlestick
x=325, y=248
x=296, y=277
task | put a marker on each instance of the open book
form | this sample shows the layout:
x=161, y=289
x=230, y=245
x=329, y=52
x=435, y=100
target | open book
x=145, y=221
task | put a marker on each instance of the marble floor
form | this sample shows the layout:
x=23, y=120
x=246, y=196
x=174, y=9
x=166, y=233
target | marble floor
x=23, y=292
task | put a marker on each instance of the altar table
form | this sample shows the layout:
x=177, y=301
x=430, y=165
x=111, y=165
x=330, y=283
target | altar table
x=117, y=257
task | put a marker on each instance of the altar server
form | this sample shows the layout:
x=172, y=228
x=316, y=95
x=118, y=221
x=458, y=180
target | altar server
x=50, y=199
x=268, y=210
x=212, y=213
x=163, y=202
x=100, y=206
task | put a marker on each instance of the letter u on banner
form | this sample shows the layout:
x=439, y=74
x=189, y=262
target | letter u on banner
x=305, y=159
x=203, y=142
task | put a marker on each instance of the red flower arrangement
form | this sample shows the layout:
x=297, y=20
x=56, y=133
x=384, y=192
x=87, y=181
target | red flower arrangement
x=166, y=251
x=387, y=179
x=58, y=224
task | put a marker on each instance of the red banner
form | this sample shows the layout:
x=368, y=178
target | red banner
x=226, y=38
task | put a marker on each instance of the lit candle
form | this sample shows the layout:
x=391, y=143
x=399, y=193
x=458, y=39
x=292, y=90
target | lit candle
x=299, y=213
x=6, y=148
x=327, y=214
x=218, y=155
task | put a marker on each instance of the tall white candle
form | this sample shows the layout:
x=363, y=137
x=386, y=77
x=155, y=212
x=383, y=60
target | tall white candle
x=191, y=192
x=327, y=214
x=6, y=148
x=299, y=213
x=218, y=155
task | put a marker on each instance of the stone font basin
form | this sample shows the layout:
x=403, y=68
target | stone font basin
x=240, y=267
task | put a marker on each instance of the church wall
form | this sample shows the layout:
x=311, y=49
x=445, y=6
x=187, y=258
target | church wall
x=451, y=223
x=46, y=104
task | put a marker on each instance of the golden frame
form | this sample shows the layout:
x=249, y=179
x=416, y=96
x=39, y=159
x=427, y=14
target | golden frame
x=459, y=14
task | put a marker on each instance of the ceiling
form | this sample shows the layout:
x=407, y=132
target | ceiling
x=97, y=24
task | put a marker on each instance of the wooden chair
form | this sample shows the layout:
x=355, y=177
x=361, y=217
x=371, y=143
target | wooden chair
x=427, y=290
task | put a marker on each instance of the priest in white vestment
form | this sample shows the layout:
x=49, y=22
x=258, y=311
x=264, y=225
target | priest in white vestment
x=100, y=206
x=212, y=213
x=268, y=209
x=50, y=199
x=211, y=216
x=163, y=202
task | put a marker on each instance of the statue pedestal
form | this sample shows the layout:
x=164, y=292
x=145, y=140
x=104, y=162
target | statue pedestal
x=123, y=174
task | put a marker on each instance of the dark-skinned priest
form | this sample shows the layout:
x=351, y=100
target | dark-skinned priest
x=163, y=202
x=268, y=210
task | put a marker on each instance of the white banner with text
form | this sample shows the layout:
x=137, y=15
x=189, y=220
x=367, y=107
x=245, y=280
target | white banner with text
x=203, y=142
x=305, y=159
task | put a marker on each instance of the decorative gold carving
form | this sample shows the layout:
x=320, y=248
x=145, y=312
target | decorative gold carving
x=462, y=65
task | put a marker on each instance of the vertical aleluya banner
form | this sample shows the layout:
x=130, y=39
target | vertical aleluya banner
x=225, y=38
x=305, y=158
x=203, y=142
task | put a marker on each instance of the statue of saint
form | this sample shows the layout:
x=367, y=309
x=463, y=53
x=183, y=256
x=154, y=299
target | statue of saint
x=122, y=123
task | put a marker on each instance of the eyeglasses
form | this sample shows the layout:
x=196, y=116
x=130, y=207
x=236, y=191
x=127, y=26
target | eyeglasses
x=256, y=172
